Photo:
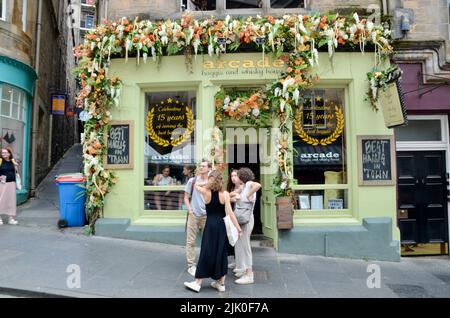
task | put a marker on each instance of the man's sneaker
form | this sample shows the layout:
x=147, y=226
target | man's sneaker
x=193, y=286
x=191, y=270
x=215, y=284
x=235, y=270
x=232, y=265
x=244, y=280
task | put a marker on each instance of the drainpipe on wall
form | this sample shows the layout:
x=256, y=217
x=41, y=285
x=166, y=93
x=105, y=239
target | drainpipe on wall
x=35, y=109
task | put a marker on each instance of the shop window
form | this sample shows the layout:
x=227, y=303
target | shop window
x=169, y=148
x=420, y=130
x=199, y=5
x=243, y=4
x=285, y=4
x=320, y=150
x=12, y=123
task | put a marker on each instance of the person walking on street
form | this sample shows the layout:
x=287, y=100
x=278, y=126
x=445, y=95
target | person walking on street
x=8, y=169
x=242, y=249
x=213, y=262
x=196, y=212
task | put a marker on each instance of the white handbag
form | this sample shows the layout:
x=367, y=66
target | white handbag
x=232, y=231
x=18, y=182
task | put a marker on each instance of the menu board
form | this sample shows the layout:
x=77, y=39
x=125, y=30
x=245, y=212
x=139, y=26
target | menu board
x=120, y=147
x=376, y=160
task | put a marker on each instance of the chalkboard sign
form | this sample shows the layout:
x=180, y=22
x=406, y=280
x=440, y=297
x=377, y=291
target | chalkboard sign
x=120, y=141
x=376, y=160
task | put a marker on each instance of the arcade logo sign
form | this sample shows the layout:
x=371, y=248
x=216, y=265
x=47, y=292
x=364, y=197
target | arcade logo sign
x=319, y=127
x=169, y=124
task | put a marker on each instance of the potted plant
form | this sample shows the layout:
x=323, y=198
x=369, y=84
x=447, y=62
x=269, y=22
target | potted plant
x=284, y=205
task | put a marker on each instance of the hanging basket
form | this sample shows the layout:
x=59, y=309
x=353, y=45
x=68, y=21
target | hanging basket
x=285, y=213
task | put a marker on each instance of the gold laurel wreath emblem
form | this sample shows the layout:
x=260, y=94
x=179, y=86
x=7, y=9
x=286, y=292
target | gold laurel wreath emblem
x=174, y=142
x=324, y=141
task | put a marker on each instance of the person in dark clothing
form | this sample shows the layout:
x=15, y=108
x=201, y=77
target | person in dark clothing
x=213, y=262
x=8, y=168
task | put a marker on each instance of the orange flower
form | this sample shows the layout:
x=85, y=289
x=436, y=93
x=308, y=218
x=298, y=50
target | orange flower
x=271, y=19
x=341, y=40
x=297, y=71
x=246, y=100
x=289, y=69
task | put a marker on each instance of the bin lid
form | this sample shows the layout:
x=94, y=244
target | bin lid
x=70, y=178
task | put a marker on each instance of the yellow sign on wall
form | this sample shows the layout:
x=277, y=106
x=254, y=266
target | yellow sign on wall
x=58, y=104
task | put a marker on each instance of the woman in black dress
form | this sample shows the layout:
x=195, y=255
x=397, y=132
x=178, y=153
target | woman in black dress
x=213, y=262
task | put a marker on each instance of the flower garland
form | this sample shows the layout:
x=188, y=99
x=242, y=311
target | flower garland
x=299, y=35
x=242, y=106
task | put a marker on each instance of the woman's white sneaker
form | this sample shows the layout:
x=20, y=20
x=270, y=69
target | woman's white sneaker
x=13, y=222
x=193, y=286
x=246, y=279
x=215, y=284
x=239, y=273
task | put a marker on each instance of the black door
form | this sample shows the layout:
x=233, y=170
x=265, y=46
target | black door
x=245, y=155
x=422, y=197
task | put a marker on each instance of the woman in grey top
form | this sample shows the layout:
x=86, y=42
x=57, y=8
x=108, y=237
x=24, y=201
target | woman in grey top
x=242, y=249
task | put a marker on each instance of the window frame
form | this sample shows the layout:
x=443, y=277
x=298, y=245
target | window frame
x=19, y=105
x=3, y=7
x=173, y=214
x=346, y=213
x=24, y=15
x=427, y=145
x=264, y=10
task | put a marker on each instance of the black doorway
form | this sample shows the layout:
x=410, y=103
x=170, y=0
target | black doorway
x=247, y=155
x=422, y=199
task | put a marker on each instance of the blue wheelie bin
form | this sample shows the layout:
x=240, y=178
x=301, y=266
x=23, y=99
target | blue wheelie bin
x=72, y=197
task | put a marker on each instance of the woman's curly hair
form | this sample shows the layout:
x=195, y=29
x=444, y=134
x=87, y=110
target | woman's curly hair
x=217, y=183
x=245, y=175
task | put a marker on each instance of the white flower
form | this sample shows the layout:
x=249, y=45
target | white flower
x=226, y=100
x=282, y=103
x=288, y=83
x=227, y=19
x=153, y=53
x=370, y=25
x=296, y=95
x=210, y=50
x=277, y=92
x=283, y=185
x=255, y=112
x=355, y=16
x=145, y=56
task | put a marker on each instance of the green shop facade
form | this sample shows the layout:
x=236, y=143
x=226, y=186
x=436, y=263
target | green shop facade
x=341, y=152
